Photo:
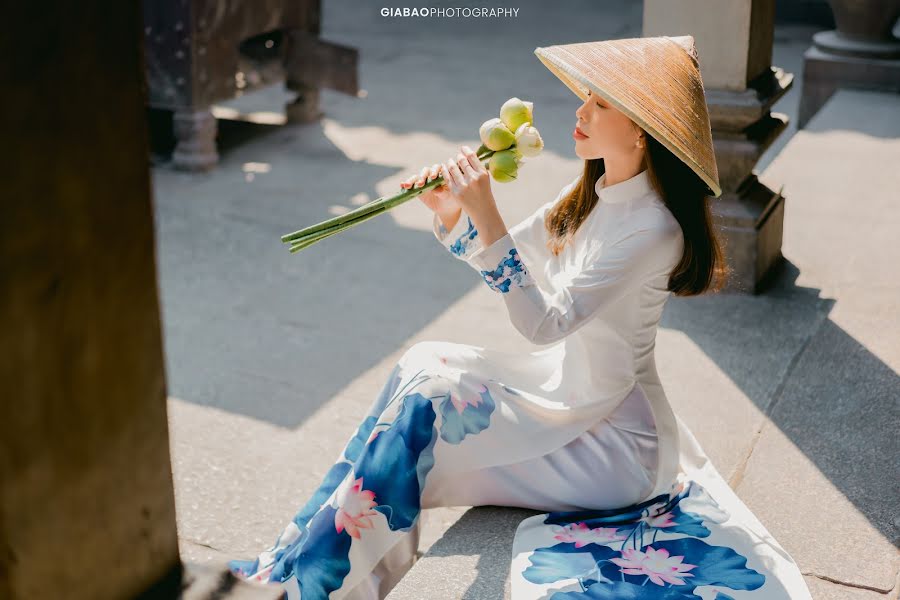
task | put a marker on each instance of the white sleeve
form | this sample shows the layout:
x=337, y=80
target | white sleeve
x=610, y=272
x=463, y=241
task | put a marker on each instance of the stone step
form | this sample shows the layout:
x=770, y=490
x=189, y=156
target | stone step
x=471, y=560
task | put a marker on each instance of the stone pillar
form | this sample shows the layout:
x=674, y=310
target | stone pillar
x=862, y=53
x=87, y=509
x=734, y=41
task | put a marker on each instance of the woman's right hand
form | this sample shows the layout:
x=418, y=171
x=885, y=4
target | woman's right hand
x=438, y=199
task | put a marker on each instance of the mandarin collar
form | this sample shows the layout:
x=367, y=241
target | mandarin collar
x=630, y=189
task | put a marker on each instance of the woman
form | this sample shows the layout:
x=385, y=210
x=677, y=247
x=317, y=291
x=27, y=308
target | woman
x=582, y=428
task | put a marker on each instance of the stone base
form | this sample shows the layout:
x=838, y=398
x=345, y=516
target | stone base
x=751, y=222
x=195, y=132
x=824, y=72
x=305, y=107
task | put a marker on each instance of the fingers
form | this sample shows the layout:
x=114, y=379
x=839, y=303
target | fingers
x=441, y=190
x=472, y=167
x=426, y=174
x=464, y=168
x=420, y=180
x=453, y=176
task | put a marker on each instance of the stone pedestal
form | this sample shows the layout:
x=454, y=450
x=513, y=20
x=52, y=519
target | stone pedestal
x=860, y=53
x=305, y=108
x=734, y=41
x=200, y=52
x=195, y=134
x=751, y=223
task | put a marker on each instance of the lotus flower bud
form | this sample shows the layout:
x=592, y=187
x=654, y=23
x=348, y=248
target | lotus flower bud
x=504, y=166
x=514, y=112
x=528, y=140
x=495, y=135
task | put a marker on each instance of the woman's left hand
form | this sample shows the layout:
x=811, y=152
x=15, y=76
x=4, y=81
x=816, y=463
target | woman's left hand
x=470, y=183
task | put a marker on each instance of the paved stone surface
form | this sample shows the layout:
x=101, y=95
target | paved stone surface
x=470, y=562
x=273, y=358
x=832, y=434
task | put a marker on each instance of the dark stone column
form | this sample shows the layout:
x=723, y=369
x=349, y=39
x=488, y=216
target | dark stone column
x=734, y=41
x=87, y=508
x=87, y=505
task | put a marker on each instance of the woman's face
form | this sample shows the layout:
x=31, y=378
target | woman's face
x=610, y=134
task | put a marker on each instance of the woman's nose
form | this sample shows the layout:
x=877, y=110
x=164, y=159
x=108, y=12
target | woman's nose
x=580, y=110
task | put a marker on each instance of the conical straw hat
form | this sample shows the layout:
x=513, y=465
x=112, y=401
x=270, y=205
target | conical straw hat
x=655, y=81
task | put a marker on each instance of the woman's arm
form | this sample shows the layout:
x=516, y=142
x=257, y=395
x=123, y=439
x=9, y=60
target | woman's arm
x=463, y=240
x=544, y=316
x=546, y=312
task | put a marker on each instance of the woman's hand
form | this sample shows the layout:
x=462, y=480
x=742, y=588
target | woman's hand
x=438, y=198
x=470, y=184
x=466, y=186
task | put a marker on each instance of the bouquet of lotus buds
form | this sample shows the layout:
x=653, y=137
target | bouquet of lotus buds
x=505, y=142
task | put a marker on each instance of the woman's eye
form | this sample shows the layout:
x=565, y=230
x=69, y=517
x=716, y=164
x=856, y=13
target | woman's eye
x=598, y=104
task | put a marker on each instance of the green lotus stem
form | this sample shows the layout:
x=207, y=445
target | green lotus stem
x=360, y=214
x=295, y=247
x=312, y=238
x=383, y=202
x=357, y=217
x=357, y=212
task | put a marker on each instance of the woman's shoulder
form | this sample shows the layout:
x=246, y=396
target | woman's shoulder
x=654, y=214
x=651, y=212
x=649, y=223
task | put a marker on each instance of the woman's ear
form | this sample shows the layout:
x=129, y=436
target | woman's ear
x=641, y=137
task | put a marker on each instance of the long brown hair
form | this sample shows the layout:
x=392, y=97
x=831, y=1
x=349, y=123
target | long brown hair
x=702, y=266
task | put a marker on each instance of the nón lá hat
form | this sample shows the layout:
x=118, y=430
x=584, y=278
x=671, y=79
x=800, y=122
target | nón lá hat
x=654, y=81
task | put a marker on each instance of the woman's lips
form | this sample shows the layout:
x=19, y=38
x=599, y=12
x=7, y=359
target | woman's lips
x=578, y=134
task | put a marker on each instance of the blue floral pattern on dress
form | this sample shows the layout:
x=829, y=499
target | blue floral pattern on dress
x=652, y=550
x=465, y=242
x=510, y=270
x=616, y=553
x=382, y=470
x=463, y=416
